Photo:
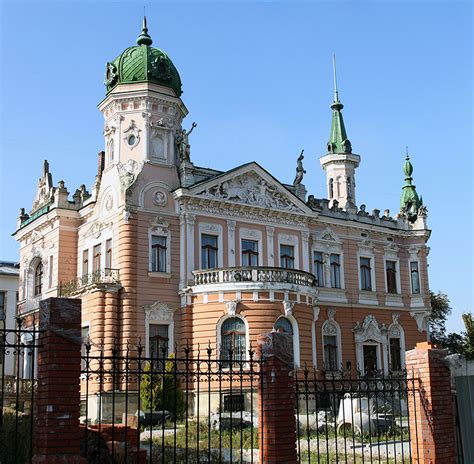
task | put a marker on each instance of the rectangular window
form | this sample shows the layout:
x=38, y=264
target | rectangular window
x=330, y=353
x=85, y=262
x=209, y=251
x=51, y=269
x=234, y=403
x=395, y=354
x=287, y=256
x=158, y=340
x=97, y=257
x=249, y=252
x=318, y=266
x=2, y=308
x=158, y=253
x=108, y=254
x=365, y=274
x=391, y=272
x=335, y=261
x=415, y=277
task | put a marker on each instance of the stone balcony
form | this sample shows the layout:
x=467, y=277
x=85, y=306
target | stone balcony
x=253, y=278
x=102, y=279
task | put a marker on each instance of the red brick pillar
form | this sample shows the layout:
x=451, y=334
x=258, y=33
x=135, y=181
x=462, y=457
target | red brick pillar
x=277, y=421
x=431, y=408
x=57, y=432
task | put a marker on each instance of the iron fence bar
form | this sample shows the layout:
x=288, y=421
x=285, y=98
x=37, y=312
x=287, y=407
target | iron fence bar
x=3, y=355
x=20, y=353
x=33, y=367
x=139, y=378
x=127, y=351
x=86, y=430
x=101, y=386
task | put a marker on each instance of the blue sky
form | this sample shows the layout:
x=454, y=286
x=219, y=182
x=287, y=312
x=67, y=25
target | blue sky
x=257, y=80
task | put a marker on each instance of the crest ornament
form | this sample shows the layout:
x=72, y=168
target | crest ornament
x=110, y=74
x=231, y=307
x=288, y=307
x=160, y=198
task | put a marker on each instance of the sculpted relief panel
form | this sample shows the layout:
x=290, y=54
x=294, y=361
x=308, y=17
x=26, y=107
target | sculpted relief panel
x=250, y=189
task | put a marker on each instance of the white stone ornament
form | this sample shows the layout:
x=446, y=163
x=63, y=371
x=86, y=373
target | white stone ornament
x=160, y=198
x=288, y=307
x=109, y=202
x=128, y=172
x=132, y=135
x=231, y=307
x=158, y=311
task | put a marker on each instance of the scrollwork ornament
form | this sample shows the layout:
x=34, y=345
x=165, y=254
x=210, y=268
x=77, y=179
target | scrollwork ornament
x=160, y=198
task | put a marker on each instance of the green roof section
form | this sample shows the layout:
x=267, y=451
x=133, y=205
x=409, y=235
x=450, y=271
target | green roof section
x=338, y=141
x=143, y=63
x=410, y=202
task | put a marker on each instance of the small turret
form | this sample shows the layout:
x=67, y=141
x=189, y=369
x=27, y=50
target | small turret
x=410, y=202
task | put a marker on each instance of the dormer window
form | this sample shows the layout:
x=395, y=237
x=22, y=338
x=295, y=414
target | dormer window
x=132, y=140
x=38, y=289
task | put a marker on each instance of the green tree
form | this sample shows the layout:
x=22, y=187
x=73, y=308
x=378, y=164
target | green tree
x=469, y=323
x=160, y=389
x=440, y=310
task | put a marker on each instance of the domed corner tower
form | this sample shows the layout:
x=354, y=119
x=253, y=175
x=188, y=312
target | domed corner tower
x=142, y=109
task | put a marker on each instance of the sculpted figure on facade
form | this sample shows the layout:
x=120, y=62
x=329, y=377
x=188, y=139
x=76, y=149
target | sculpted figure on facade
x=128, y=172
x=300, y=172
x=182, y=141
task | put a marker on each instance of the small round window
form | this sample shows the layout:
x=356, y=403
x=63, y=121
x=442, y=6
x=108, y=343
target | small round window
x=132, y=140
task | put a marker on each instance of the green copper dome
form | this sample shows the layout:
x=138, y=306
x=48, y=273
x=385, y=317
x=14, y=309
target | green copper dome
x=143, y=63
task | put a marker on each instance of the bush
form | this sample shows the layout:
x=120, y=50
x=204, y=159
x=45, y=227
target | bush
x=8, y=433
x=160, y=389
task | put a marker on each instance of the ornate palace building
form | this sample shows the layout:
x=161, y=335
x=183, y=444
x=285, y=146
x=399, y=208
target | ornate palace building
x=162, y=249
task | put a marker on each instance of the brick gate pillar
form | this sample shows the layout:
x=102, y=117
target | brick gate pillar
x=431, y=408
x=57, y=432
x=276, y=398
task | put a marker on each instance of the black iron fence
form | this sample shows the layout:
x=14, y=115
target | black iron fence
x=188, y=406
x=18, y=365
x=352, y=419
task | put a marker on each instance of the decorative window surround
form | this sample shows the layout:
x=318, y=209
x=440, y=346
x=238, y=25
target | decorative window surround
x=422, y=318
x=160, y=227
x=255, y=235
x=182, y=247
x=327, y=242
x=366, y=250
x=212, y=229
x=331, y=328
x=370, y=332
x=332, y=295
x=190, y=221
x=229, y=316
x=416, y=299
x=305, y=248
x=296, y=334
x=288, y=239
x=159, y=313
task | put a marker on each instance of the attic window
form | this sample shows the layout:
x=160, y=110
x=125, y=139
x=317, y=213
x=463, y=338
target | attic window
x=131, y=140
x=363, y=235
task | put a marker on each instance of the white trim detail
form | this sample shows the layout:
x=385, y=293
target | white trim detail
x=159, y=227
x=212, y=229
x=316, y=311
x=219, y=335
x=288, y=239
x=395, y=330
x=231, y=242
x=159, y=313
x=331, y=328
x=256, y=236
x=296, y=336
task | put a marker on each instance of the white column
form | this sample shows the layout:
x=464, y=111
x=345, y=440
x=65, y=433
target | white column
x=305, y=245
x=231, y=242
x=385, y=358
x=190, y=220
x=182, y=247
x=327, y=269
x=146, y=134
x=270, y=245
x=117, y=136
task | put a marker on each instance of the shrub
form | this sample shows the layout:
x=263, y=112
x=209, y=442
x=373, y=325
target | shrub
x=8, y=432
x=160, y=389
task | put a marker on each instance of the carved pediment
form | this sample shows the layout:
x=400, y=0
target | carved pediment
x=45, y=190
x=370, y=330
x=95, y=230
x=251, y=189
x=158, y=312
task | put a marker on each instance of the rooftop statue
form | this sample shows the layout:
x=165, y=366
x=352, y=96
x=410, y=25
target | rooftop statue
x=182, y=141
x=300, y=172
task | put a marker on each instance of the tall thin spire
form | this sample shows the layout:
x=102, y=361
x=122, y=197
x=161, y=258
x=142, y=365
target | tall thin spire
x=336, y=93
x=338, y=141
x=410, y=202
x=144, y=38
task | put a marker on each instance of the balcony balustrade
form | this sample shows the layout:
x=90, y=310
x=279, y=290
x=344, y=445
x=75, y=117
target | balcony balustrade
x=100, y=279
x=258, y=274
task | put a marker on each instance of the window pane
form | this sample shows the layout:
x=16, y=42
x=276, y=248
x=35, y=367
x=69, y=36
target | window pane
x=158, y=340
x=287, y=256
x=330, y=352
x=2, y=308
x=85, y=262
x=335, y=271
x=283, y=325
x=365, y=274
x=108, y=254
x=97, y=255
x=158, y=253
x=415, y=277
x=232, y=340
x=319, y=268
x=249, y=253
x=395, y=354
x=391, y=272
x=38, y=287
x=209, y=251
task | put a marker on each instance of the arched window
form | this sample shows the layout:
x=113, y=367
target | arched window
x=233, y=341
x=396, y=345
x=38, y=287
x=283, y=325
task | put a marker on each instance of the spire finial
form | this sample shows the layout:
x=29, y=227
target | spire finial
x=336, y=93
x=144, y=38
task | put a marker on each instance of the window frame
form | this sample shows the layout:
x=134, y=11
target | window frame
x=337, y=329
x=371, y=273
x=251, y=236
x=215, y=229
x=337, y=266
x=321, y=266
x=108, y=254
x=417, y=262
x=220, y=325
x=158, y=247
x=207, y=249
x=289, y=240
x=286, y=258
x=38, y=286
x=391, y=277
x=97, y=257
